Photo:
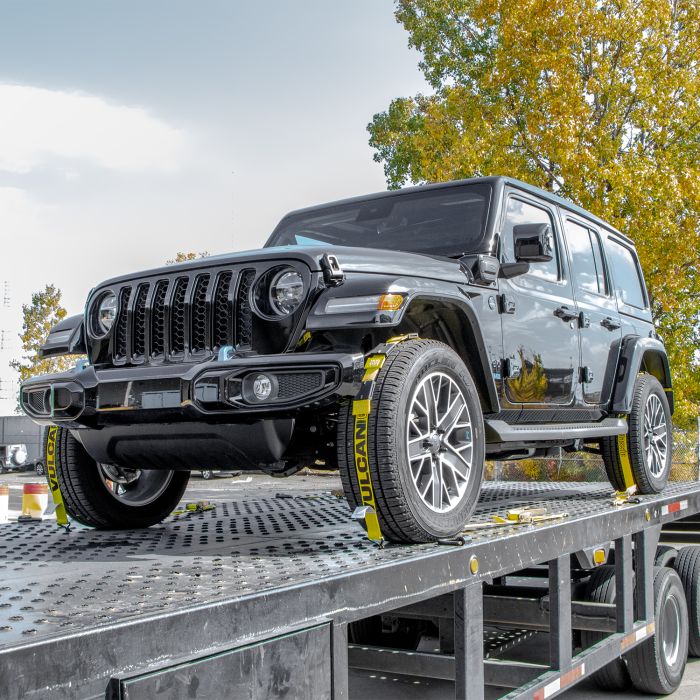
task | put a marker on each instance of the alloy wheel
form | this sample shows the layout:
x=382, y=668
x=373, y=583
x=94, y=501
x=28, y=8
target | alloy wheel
x=439, y=442
x=655, y=435
x=134, y=487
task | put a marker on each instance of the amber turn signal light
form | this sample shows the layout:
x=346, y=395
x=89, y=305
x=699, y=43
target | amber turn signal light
x=390, y=302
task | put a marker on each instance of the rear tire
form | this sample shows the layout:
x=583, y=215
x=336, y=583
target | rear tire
x=88, y=499
x=424, y=402
x=687, y=566
x=657, y=664
x=648, y=440
x=601, y=589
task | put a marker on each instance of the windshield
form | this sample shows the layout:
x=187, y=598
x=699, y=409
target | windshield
x=449, y=222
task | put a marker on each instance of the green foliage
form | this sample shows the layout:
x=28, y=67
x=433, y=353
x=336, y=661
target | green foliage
x=597, y=100
x=40, y=316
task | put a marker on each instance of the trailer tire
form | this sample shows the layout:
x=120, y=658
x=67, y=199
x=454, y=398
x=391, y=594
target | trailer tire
x=601, y=589
x=649, y=426
x=665, y=555
x=687, y=566
x=406, y=515
x=657, y=664
x=87, y=497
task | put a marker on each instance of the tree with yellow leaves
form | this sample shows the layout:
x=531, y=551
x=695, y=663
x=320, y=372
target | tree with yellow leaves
x=597, y=100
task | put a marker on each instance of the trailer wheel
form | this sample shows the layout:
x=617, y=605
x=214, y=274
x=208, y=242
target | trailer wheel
x=110, y=498
x=687, y=566
x=601, y=589
x=665, y=555
x=657, y=664
x=648, y=441
x=424, y=444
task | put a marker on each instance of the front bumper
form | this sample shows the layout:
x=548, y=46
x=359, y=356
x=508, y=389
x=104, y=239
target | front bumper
x=209, y=392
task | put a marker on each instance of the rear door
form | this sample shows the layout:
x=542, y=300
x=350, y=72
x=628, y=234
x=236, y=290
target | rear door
x=599, y=320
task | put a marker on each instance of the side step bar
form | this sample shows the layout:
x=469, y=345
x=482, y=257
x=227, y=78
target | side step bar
x=556, y=431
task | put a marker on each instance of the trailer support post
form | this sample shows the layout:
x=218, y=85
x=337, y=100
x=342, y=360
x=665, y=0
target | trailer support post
x=560, y=612
x=644, y=550
x=624, y=584
x=469, y=643
x=339, y=646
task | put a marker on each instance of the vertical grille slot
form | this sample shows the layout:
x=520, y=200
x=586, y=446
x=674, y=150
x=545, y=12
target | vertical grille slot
x=158, y=319
x=120, y=331
x=198, y=315
x=177, y=317
x=139, y=322
x=244, y=313
x=222, y=311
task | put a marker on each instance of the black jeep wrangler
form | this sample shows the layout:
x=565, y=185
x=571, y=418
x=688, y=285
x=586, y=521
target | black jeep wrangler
x=402, y=338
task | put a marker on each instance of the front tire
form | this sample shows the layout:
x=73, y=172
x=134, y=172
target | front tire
x=109, y=498
x=424, y=444
x=647, y=445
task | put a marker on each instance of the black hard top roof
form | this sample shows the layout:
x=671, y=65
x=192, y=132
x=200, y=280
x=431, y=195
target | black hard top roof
x=493, y=180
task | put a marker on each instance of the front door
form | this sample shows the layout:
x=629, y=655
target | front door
x=539, y=317
x=599, y=321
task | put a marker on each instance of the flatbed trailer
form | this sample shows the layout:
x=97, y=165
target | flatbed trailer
x=255, y=598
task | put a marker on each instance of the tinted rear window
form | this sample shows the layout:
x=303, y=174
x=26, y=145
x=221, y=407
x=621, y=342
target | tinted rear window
x=626, y=272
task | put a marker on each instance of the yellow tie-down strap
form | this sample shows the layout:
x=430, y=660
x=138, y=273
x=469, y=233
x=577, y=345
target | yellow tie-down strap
x=624, y=456
x=61, y=515
x=361, y=408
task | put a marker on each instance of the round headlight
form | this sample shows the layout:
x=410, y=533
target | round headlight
x=286, y=292
x=106, y=312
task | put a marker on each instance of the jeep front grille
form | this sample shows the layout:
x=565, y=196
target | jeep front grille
x=184, y=317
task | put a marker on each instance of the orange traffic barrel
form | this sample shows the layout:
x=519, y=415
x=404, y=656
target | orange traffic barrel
x=35, y=498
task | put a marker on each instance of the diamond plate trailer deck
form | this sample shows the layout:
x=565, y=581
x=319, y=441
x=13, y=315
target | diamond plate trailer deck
x=253, y=599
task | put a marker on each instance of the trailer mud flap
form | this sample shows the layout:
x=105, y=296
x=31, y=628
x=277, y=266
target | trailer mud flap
x=52, y=476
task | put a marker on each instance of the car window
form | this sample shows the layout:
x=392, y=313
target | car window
x=587, y=257
x=626, y=273
x=522, y=212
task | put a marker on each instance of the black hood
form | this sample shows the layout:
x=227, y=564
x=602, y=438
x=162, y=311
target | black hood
x=364, y=260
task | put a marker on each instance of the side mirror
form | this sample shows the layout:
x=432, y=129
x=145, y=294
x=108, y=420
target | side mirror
x=533, y=242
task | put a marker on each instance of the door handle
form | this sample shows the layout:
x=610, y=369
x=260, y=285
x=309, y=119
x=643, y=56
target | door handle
x=610, y=323
x=565, y=314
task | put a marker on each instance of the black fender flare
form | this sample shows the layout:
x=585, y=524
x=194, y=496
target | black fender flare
x=638, y=353
x=485, y=381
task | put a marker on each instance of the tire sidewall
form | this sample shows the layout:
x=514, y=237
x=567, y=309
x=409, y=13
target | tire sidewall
x=449, y=363
x=672, y=585
x=636, y=424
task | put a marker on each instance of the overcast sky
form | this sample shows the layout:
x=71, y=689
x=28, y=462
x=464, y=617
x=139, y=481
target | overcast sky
x=132, y=130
